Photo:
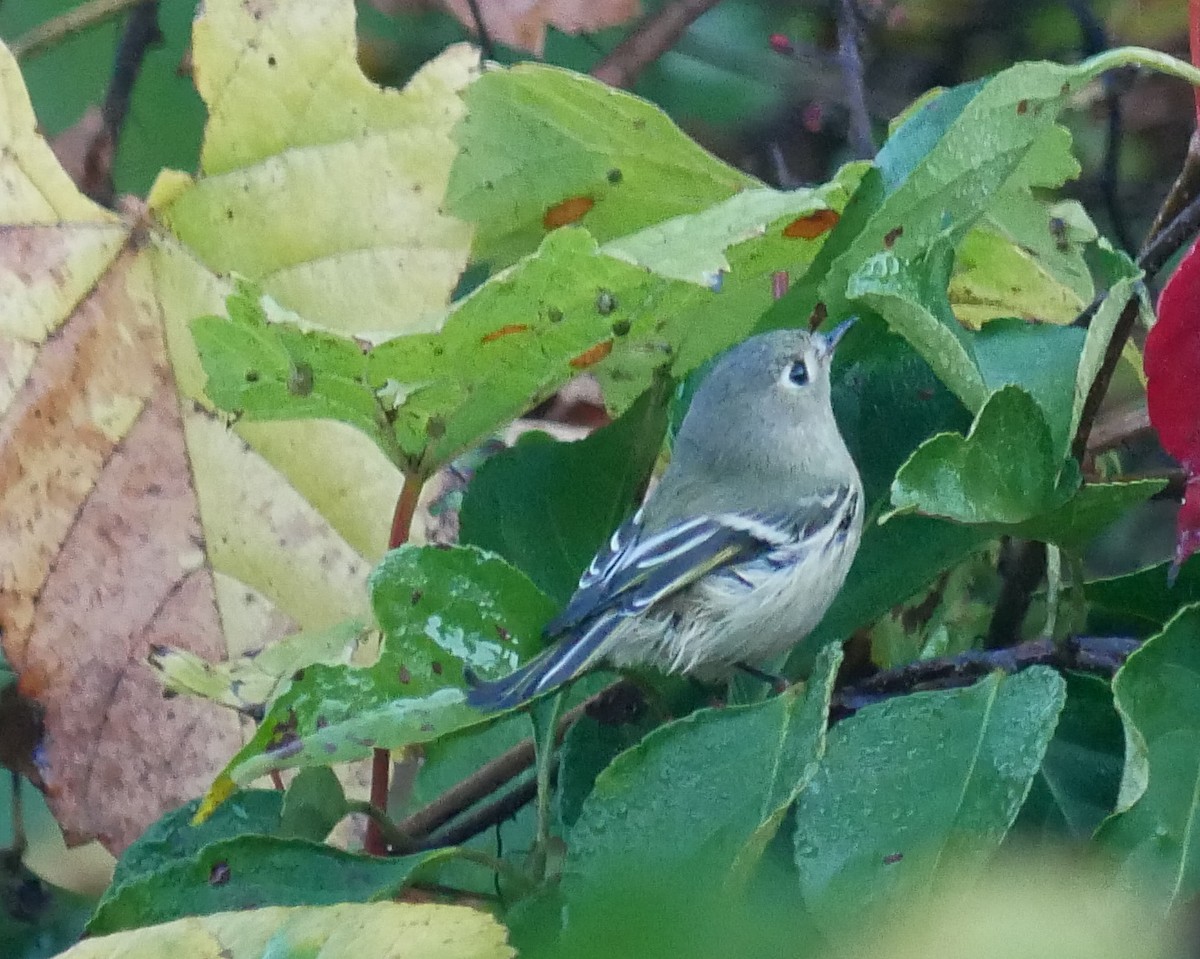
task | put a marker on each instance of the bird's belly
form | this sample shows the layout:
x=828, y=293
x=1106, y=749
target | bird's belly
x=747, y=617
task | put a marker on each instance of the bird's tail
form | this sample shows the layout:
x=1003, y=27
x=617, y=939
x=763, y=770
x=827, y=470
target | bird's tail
x=549, y=669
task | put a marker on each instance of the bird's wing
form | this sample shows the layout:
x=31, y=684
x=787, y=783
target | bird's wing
x=637, y=569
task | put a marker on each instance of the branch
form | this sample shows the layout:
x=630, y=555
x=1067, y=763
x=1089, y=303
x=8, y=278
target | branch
x=653, y=37
x=498, y=773
x=1101, y=655
x=59, y=28
x=850, y=59
x=486, y=46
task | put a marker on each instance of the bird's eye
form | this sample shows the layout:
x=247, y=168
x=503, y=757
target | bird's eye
x=798, y=373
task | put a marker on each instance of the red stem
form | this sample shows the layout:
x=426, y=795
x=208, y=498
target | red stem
x=381, y=760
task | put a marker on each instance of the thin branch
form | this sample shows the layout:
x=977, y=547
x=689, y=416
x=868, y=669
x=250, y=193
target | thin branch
x=1102, y=655
x=141, y=32
x=653, y=37
x=486, y=46
x=1026, y=565
x=862, y=143
x=494, y=775
x=57, y=29
x=1119, y=426
x=483, y=818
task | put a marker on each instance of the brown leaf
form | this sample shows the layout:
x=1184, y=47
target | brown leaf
x=103, y=557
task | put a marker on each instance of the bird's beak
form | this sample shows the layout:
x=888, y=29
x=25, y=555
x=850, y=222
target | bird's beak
x=834, y=336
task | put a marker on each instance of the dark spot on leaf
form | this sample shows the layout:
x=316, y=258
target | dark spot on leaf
x=503, y=633
x=639, y=124
x=219, y=874
x=271, y=60
x=620, y=328
x=436, y=667
x=426, y=727
x=169, y=693
x=568, y=211
x=300, y=379
x=591, y=356
x=605, y=302
x=330, y=748
x=1058, y=230
x=489, y=185
x=811, y=226
x=297, y=675
x=322, y=722
x=892, y=858
x=508, y=330
x=890, y=238
x=284, y=739
x=405, y=675
x=1065, y=89
x=1022, y=107
x=416, y=596
x=615, y=176
x=438, y=350
x=554, y=314
x=229, y=214
x=435, y=429
x=819, y=314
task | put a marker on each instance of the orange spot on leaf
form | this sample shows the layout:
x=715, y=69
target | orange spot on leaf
x=592, y=355
x=812, y=226
x=504, y=331
x=570, y=210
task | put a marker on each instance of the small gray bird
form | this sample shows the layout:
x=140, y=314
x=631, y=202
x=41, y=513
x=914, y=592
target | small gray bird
x=741, y=548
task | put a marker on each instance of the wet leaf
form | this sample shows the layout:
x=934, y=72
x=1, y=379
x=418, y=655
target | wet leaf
x=442, y=610
x=1003, y=471
x=249, y=873
x=917, y=792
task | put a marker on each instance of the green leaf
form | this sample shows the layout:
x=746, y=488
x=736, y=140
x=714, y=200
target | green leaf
x=1003, y=471
x=1154, y=836
x=547, y=506
x=313, y=804
x=911, y=296
x=442, y=609
x=1093, y=508
x=1146, y=598
x=249, y=872
x=1076, y=786
x=914, y=790
x=587, y=750
x=535, y=136
x=660, y=805
x=173, y=837
x=266, y=370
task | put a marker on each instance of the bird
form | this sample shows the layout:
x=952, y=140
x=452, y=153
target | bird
x=738, y=552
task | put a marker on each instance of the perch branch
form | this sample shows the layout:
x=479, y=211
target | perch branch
x=74, y=21
x=850, y=60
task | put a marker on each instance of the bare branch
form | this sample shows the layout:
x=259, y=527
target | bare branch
x=653, y=37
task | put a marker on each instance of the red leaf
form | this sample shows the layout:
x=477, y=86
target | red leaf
x=1172, y=364
x=568, y=211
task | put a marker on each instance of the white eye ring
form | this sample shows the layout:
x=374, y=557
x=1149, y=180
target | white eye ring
x=796, y=374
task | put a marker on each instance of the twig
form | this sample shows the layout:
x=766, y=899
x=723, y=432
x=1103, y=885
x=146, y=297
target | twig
x=1119, y=426
x=1102, y=655
x=485, y=817
x=653, y=37
x=1026, y=564
x=140, y=33
x=86, y=15
x=850, y=59
x=494, y=775
x=486, y=46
